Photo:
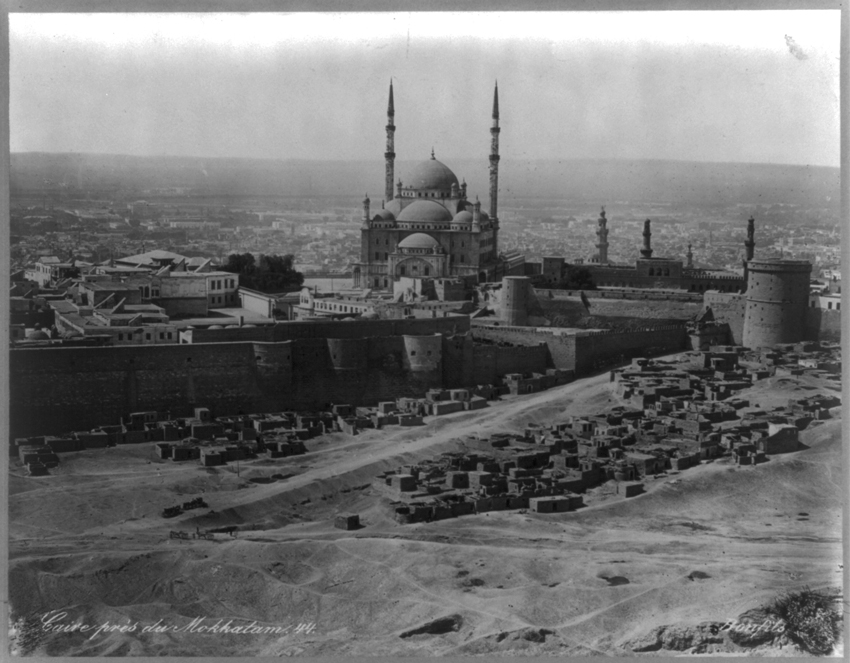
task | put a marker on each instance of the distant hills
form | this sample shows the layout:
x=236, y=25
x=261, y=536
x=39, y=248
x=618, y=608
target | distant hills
x=579, y=180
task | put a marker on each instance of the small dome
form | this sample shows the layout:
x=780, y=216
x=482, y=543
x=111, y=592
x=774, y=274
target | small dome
x=418, y=241
x=432, y=174
x=215, y=327
x=463, y=216
x=393, y=207
x=384, y=215
x=425, y=211
x=38, y=335
x=232, y=327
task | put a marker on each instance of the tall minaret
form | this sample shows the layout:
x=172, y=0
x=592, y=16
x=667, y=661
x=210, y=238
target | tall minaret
x=646, y=251
x=602, y=234
x=389, y=155
x=750, y=244
x=494, y=159
x=366, y=211
x=690, y=256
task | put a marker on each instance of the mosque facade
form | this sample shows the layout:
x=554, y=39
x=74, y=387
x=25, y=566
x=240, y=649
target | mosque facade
x=427, y=227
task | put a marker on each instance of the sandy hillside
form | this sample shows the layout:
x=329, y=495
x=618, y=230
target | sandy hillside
x=89, y=539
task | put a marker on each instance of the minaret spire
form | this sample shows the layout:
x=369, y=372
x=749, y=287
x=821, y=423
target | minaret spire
x=602, y=234
x=750, y=244
x=494, y=166
x=646, y=251
x=389, y=155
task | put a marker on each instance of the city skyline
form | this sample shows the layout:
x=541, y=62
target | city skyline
x=743, y=86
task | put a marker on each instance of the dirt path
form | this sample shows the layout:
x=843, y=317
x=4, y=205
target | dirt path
x=387, y=444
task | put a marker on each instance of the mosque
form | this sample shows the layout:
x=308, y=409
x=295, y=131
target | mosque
x=428, y=229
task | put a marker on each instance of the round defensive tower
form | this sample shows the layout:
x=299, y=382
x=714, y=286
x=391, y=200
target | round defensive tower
x=776, y=302
x=515, y=292
x=423, y=354
x=349, y=354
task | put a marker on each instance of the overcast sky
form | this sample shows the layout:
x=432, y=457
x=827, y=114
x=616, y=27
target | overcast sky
x=752, y=86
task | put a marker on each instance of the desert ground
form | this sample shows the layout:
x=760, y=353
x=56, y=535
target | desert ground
x=706, y=544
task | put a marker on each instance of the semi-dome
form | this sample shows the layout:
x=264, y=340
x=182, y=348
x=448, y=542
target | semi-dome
x=393, y=207
x=464, y=216
x=418, y=241
x=425, y=211
x=384, y=215
x=432, y=174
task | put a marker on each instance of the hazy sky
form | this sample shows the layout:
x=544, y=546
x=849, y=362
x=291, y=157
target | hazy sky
x=755, y=86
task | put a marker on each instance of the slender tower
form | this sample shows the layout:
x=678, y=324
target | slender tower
x=646, y=251
x=690, y=257
x=494, y=159
x=602, y=234
x=750, y=246
x=389, y=155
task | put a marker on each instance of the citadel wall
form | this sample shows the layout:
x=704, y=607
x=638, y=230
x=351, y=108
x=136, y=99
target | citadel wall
x=818, y=323
x=596, y=349
x=56, y=390
x=287, y=331
x=585, y=351
x=823, y=324
x=623, y=293
x=728, y=308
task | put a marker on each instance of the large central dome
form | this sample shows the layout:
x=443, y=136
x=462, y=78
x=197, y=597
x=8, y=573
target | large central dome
x=432, y=174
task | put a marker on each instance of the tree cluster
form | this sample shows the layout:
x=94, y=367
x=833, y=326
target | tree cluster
x=271, y=273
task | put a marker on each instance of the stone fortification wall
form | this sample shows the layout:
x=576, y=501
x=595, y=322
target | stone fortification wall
x=728, y=308
x=515, y=296
x=561, y=349
x=595, y=350
x=54, y=390
x=228, y=335
x=823, y=324
x=349, y=354
x=423, y=354
x=287, y=331
x=819, y=324
x=625, y=313
x=492, y=361
x=623, y=293
x=584, y=352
